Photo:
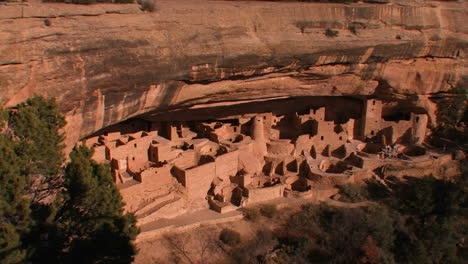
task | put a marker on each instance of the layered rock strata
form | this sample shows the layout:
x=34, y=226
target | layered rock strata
x=107, y=63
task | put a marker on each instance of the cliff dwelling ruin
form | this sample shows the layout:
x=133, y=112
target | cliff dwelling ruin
x=165, y=167
x=206, y=111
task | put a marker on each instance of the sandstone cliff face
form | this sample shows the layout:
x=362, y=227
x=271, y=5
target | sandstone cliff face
x=107, y=63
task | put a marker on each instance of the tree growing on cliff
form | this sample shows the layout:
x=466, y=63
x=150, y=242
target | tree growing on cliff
x=49, y=217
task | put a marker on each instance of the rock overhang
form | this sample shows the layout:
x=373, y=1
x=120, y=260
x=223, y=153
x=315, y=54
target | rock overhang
x=111, y=66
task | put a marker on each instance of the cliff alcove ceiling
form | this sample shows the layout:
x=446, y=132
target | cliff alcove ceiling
x=108, y=63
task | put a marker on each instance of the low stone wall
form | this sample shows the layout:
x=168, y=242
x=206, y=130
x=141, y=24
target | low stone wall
x=264, y=194
x=230, y=217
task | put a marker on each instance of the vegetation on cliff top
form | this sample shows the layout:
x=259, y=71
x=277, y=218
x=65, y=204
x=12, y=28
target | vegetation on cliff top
x=50, y=213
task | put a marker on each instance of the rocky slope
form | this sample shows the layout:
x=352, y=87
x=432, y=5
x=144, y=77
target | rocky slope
x=107, y=63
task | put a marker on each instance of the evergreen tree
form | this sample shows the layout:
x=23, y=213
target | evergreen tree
x=35, y=125
x=82, y=219
x=14, y=207
x=92, y=216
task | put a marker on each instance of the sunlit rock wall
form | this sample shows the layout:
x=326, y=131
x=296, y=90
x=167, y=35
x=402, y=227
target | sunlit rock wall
x=107, y=63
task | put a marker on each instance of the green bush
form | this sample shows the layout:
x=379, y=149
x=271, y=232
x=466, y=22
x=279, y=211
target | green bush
x=230, y=237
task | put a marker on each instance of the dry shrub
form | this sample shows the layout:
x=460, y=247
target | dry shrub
x=268, y=210
x=230, y=237
x=147, y=5
x=252, y=213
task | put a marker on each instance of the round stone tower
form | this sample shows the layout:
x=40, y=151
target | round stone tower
x=258, y=135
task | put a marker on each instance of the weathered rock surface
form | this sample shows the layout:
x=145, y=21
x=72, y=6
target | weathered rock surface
x=107, y=63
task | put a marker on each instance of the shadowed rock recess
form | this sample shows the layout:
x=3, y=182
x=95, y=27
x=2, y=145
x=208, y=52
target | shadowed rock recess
x=192, y=60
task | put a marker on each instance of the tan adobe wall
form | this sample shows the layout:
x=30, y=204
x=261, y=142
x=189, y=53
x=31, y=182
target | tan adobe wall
x=180, y=175
x=268, y=122
x=135, y=150
x=317, y=114
x=162, y=152
x=199, y=143
x=280, y=147
x=121, y=152
x=373, y=124
x=419, y=128
x=156, y=176
x=225, y=132
x=257, y=133
x=303, y=144
x=398, y=130
x=138, y=153
x=372, y=115
x=178, y=129
x=209, y=148
x=250, y=163
x=90, y=142
x=226, y=165
x=349, y=128
x=171, y=131
x=99, y=154
x=153, y=180
x=245, y=179
x=198, y=180
x=331, y=139
x=264, y=194
x=324, y=128
x=121, y=165
x=370, y=163
x=111, y=136
x=187, y=159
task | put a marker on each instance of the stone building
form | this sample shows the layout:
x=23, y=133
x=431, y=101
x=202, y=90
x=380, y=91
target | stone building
x=228, y=163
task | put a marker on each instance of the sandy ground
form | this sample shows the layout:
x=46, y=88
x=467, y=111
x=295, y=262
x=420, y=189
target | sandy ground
x=201, y=244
